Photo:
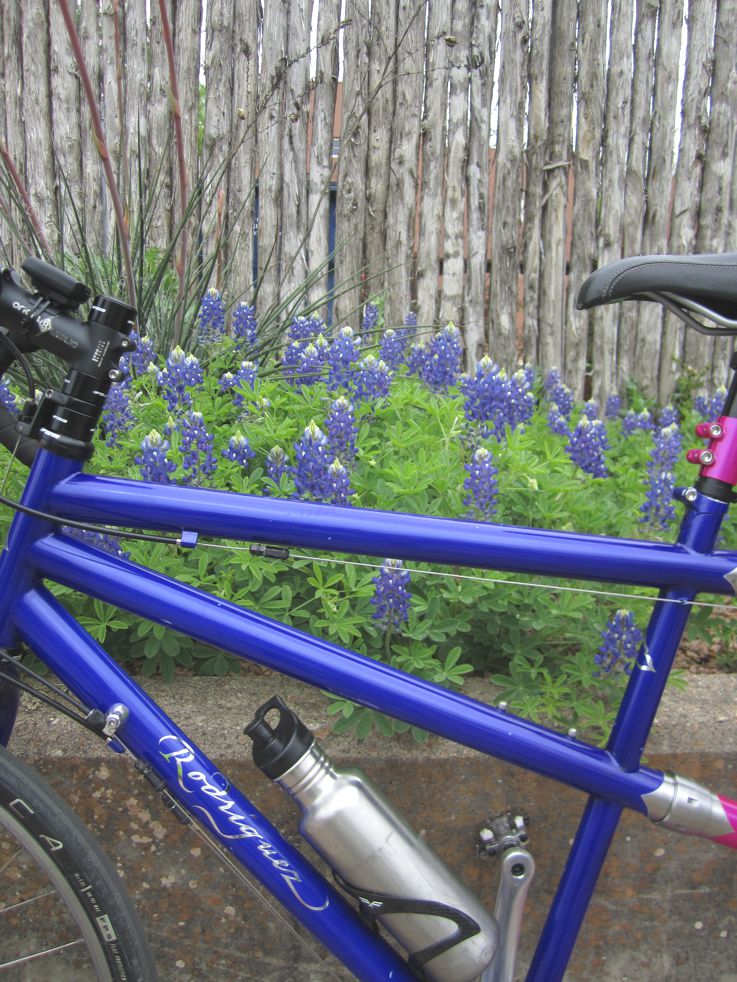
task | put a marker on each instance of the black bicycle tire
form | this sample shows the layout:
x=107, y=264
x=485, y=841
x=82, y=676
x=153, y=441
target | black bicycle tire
x=28, y=801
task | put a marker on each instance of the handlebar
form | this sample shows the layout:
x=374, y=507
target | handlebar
x=43, y=318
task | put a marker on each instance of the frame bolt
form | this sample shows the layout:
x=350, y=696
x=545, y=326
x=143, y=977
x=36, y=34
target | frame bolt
x=703, y=457
x=114, y=719
x=115, y=375
x=689, y=494
x=710, y=431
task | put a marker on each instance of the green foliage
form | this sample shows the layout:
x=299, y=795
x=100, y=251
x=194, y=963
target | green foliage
x=536, y=646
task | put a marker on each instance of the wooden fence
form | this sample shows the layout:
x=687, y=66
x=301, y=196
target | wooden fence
x=602, y=146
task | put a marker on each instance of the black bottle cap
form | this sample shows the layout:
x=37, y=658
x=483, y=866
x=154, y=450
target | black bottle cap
x=276, y=749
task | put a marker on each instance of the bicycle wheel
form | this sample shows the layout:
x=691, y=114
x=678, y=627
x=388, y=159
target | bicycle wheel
x=64, y=913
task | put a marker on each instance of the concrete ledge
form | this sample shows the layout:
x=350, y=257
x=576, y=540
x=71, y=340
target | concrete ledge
x=666, y=907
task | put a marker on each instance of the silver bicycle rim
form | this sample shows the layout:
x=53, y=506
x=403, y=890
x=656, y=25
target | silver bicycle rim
x=43, y=963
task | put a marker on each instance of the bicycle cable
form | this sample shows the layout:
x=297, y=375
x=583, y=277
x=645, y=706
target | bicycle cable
x=551, y=587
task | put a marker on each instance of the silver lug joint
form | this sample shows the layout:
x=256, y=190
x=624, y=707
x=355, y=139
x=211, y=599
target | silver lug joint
x=115, y=717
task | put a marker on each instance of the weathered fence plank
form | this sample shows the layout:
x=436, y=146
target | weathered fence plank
x=506, y=216
x=482, y=57
x=558, y=151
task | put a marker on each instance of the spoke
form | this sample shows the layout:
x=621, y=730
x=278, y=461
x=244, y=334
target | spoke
x=25, y=903
x=11, y=860
x=40, y=954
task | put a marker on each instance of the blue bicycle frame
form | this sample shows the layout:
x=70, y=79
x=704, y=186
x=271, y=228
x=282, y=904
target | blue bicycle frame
x=613, y=778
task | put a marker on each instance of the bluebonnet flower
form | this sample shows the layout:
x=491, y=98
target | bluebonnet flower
x=117, y=415
x=239, y=450
x=410, y=319
x=613, y=407
x=586, y=446
x=621, y=643
x=342, y=353
x=481, y=485
x=245, y=327
x=153, y=461
x=182, y=372
x=371, y=379
x=311, y=477
x=392, y=348
x=340, y=484
x=558, y=422
x=311, y=362
x=668, y=416
x=494, y=400
x=211, y=318
x=370, y=317
x=658, y=508
x=306, y=328
x=558, y=392
x=391, y=594
x=341, y=428
x=417, y=358
x=550, y=382
x=521, y=404
x=7, y=399
x=137, y=362
x=196, y=444
x=277, y=464
x=443, y=363
x=633, y=421
x=711, y=409
x=591, y=409
x=107, y=543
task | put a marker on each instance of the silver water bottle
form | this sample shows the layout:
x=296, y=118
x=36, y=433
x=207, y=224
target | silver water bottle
x=397, y=878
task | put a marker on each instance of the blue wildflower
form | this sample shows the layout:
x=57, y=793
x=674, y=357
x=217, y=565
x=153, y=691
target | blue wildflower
x=342, y=353
x=481, y=485
x=586, y=446
x=658, y=509
x=341, y=429
x=245, y=327
x=613, y=407
x=591, y=409
x=710, y=409
x=391, y=594
x=153, y=462
x=239, y=450
x=243, y=378
x=182, y=373
x=417, y=358
x=107, y=543
x=371, y=379
x=410, y=319
x=633, y=421
x=117, y=415
x=277, y=465
x=311, y=477
x=558, y=422
x=392, y=348
x=137, y=362
x=197, y=446
x=211, y=318
x=443, y=364
x=7, y=399
x=668, y=415
x=340, y=484
x=370, y=317
x=621, y=643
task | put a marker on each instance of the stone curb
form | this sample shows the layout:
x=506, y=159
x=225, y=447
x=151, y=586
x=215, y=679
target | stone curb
x=666, y=906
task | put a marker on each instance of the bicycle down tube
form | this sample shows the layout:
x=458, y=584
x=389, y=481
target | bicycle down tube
x=613, y=776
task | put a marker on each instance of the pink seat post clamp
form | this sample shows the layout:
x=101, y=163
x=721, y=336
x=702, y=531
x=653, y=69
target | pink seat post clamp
x=724, y=448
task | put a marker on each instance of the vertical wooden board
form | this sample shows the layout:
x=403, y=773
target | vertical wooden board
x=350, y=259
x=454, y=206
x=324, y=90
x=537, y=122
x=186, y=28
x=551, y=309
x=244, y=168
x=136, y=101
x=109, y=112
x=269, y=137
x=482, y=57
x=294, y=152
x=508, y=187
x=382, y=82
x=403, y=174
x=611, y=214
x=160, y=139
x=591, y=88
x=433, y=158
x=216, y=146
x=715, y=215
x=65, y=126
x=634, y=193
x=659, y=184
x=39, y=175
x=14, y=137
x=684, y=350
